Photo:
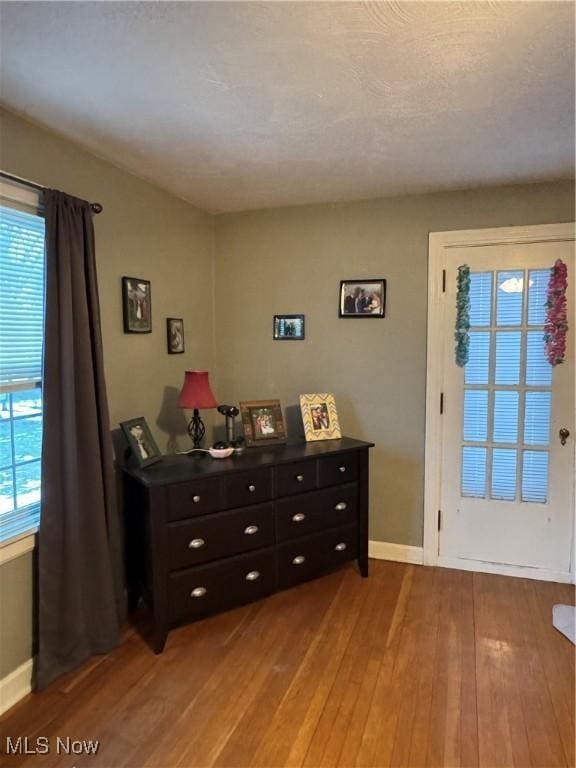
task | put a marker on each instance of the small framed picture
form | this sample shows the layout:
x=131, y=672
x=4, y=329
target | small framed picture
x=320, y=417
x=262, y=421
x=289, y=327
x=141, y=442
x=136, y=305
x=362, y=298
x=175, y=335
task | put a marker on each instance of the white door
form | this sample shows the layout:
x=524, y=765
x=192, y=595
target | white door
x=506, y=466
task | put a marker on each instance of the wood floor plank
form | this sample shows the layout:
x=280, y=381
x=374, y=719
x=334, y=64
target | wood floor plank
x=413, y=667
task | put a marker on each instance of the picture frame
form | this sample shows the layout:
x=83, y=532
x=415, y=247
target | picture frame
x=289, y=328
x=141, y=442
x=320, y=417
x=136, y=305
x=263, y=422
x=175, y=335
x=362, y=298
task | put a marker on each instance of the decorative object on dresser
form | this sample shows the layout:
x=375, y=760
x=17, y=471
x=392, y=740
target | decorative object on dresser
x=263, y=422
x=203, y=537
x=289, y=328
x=175, y=335
x=320, y=417
x=136, y=305
x=196, y=394
x=362, y=298
x=139, y=437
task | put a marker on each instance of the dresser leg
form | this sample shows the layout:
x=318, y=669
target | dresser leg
x=159, y=639
x=363, y=566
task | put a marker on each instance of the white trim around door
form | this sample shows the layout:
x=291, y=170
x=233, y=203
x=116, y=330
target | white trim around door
x=440, y=244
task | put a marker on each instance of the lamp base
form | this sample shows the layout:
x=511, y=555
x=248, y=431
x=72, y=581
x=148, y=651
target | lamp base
x=196, y=429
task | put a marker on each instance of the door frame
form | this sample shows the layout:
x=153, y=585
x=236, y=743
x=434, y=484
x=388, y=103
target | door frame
x=439, y=248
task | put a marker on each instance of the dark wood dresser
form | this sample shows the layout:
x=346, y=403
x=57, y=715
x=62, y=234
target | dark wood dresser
x=204, y=535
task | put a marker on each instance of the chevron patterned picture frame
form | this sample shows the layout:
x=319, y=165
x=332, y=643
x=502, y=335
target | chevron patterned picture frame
x=320, y=417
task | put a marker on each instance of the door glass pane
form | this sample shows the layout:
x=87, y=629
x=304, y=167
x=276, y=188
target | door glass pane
x=477, y=367
x=537, y=286
x=538, y=369
x=480, y=298
x=509, y=298
x=475, y=415
x=505, y=417
x=535, y=476
x=537, y=418
x=474, y=472
x=504, y=474
x=508, y=345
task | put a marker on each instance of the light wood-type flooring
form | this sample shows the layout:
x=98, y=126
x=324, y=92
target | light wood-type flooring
x=414, y=666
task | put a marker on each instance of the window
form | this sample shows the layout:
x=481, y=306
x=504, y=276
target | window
x=22, y=273
x=507, y=389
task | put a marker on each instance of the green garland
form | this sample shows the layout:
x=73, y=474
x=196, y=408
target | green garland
x=461, y=335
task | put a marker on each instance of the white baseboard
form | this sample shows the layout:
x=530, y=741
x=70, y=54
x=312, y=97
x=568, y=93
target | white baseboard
x=16, y=685
x=400, y=553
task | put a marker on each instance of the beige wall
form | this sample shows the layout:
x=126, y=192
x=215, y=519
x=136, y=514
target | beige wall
x=142, y=232
x=291, y=260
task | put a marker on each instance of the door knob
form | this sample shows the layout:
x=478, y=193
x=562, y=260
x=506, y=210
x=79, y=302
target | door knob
x=563, y=434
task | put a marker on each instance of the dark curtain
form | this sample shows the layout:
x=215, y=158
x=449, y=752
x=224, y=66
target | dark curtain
x=80, y=585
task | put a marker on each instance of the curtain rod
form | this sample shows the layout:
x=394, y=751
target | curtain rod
x=94, y=207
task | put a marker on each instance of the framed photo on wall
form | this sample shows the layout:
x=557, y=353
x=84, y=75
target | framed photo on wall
x=141, y=442
x=320, y=417
x=362, y=298
x=175, y=335
x=263, y=422
x=289, y=328
x=136, y=305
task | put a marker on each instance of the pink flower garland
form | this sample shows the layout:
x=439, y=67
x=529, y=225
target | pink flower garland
x=556, y=324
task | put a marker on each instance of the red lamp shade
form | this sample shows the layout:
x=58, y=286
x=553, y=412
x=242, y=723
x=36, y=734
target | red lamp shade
x=196, y=392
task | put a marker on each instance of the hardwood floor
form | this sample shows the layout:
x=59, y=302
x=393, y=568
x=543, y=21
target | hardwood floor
x=413, y=667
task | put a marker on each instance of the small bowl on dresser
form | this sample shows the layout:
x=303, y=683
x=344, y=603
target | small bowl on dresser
x=220, y=453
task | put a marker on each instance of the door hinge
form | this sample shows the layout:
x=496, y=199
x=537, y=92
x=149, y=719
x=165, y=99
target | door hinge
x=441, y=403
x=443, y=281
x=439, y=519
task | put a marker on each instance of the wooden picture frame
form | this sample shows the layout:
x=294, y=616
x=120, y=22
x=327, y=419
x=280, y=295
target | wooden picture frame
x=263, y=422
x=136, y=305
x=362, y=298
x=289, y=328
x=320, y=417
x=175, y=335
x=141, y=442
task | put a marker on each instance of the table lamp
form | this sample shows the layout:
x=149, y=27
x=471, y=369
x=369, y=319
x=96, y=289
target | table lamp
x=196, y=394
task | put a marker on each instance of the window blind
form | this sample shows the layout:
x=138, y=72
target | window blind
x=21, y=297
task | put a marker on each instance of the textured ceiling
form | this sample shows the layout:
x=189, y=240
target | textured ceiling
x=258, y=104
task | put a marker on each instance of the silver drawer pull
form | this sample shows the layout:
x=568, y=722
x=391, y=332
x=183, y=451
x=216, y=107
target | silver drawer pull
x=342, y=468
x=198, y=592
x=195, y=499
x=251, y=488
x=252, y=576
x=298, y=517
x=251, y=530
x=299, y=478
x=341, y=506
x=196, y=543
x=298, y=560
x=340, y=547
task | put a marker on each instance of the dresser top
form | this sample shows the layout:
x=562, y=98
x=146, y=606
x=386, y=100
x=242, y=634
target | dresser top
x=181, y=468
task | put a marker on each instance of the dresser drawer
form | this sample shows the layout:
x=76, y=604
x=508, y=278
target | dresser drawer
x=316, y=511
x=202, y=539
x=211, y=588
x=300, y=560
x=333, y=470
x=340, y=545
x=251, y=487
x=198, y=497
x=296, y=478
